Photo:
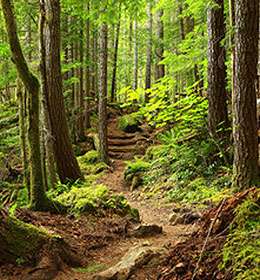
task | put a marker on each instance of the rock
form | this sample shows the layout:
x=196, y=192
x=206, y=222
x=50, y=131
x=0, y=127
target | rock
x=146, y=230
x=172, y=217
x=130, y=123
x=135, y=258
x=189, y=218
x=184, y=216
x=178, y=220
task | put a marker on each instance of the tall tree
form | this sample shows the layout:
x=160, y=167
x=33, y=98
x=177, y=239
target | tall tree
x=217, y=95
x=102, y=104
x=113, y=86
x=38, y=199
x=159, y=50
x=67, y=165
x=148, y=81
x=135, y=85
x=245, y=167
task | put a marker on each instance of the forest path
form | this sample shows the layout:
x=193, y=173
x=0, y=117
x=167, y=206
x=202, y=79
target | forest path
x=151, y=211
x=122, y=147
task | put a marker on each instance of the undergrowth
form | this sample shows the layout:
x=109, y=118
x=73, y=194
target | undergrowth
x=187, y=166
x=241, y=253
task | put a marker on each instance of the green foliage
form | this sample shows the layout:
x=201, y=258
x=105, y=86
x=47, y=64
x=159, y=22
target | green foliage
x=87, y=197
x=90, y=157
x=154, y=152
x=130, y=123
x=241, y=253
x=134, y=172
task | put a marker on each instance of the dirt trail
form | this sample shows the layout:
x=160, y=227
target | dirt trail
x=104, y=241
x=121, y=148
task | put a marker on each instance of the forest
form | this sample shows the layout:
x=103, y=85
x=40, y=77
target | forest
x=129, y=140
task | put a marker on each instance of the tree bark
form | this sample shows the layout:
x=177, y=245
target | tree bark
x=113, y=86
x=102, y=105
x=148, y=81
x=135, y=84
x=67, y=165
x=245, y=167
x=22, y=128
x=217, y=95
x=159, y=68
x=47, y=137
x=87, y=73
x=38, y=199
x=232, y=45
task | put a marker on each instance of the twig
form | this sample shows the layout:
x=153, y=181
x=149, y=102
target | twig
x=205, y=243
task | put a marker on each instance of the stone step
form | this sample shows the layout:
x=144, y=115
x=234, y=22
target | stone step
x=123, y=156
x=121, y=136
x=122, y=149
x=121, y=142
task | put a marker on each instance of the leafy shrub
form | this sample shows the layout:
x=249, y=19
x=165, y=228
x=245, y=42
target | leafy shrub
x=134, y=172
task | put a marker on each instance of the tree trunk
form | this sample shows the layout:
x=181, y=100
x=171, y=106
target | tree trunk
x=47, y=137
x=95, y=62
x=217, y=95
x=148, y=82
x=22, y=122
x=81, y=131
x=102, y=105
x=232, y=45
x=135, y=85
x=67, y=165
x=245, y=167
x=113, y=87
x=87, y=74
x=22, y=240
x=159, y=50
x=38, y=200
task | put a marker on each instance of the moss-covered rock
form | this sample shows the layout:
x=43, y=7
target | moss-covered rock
x=90, y=157
x=130, y=123
x=154, y=152
x=134, y=172
x=96, y=199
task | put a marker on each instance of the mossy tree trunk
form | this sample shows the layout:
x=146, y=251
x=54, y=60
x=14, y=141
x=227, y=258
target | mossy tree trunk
x=22, y=128
x=38, y=200
x=48, y=141
x=22, y=240
x=245, y=166
x=67, y=165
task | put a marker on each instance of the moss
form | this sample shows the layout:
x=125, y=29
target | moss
x=89, y=158
x=96, y=199
x=18, y=239
x=130, y=123
x=154, y=152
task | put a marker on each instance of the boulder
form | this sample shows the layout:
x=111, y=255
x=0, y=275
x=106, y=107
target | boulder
x=134, y=259
x=130, y=123
x=147, y=230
